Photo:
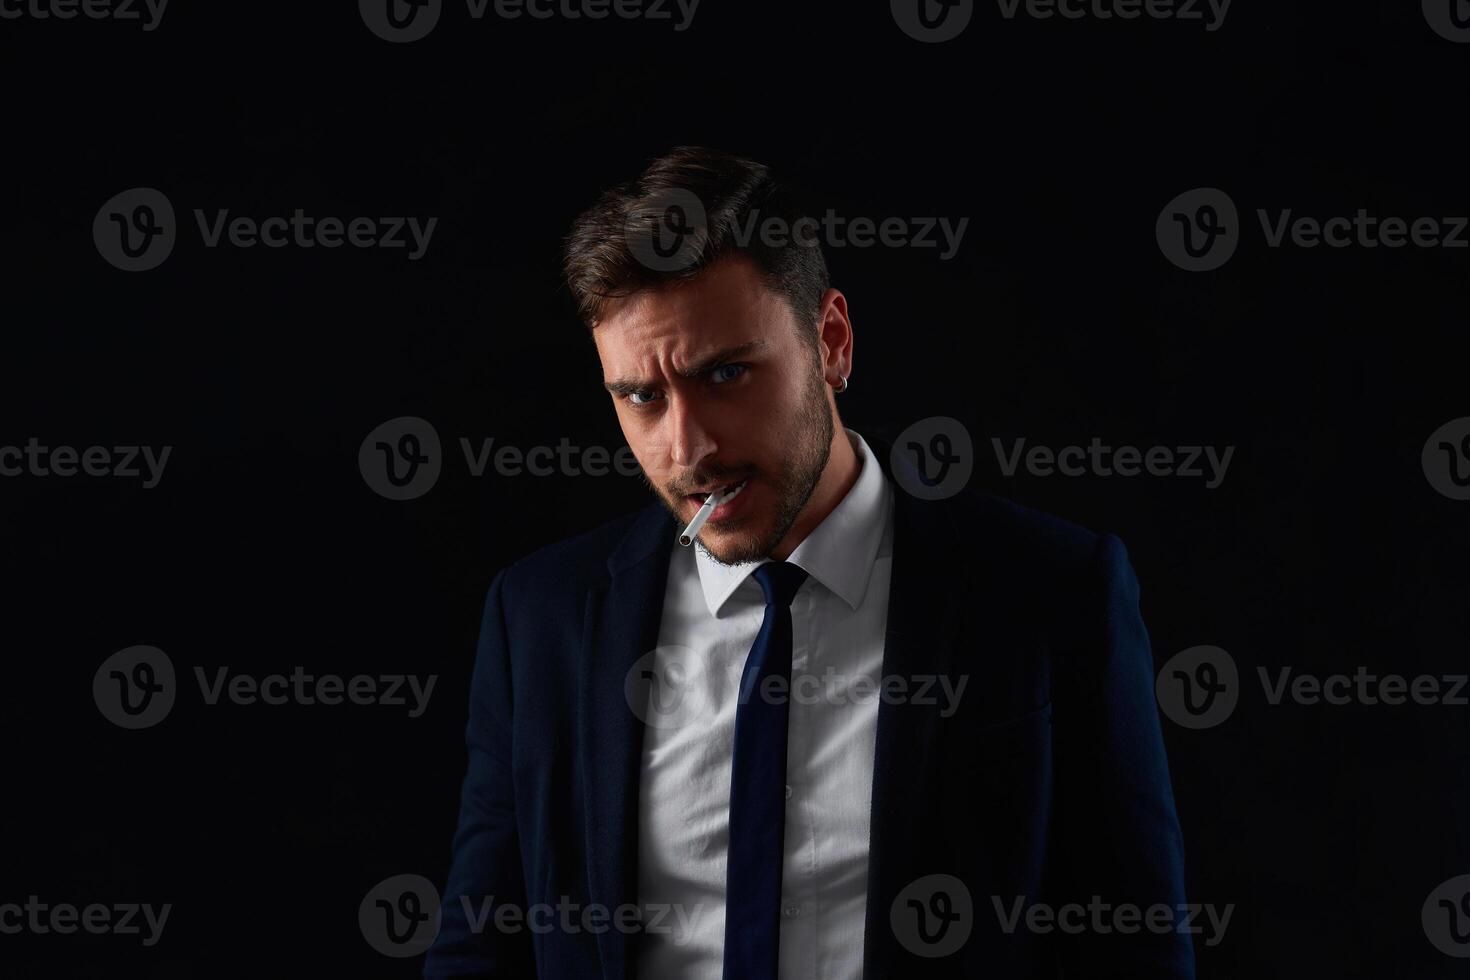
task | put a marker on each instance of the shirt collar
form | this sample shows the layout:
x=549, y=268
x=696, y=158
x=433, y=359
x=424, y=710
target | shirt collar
x=838, y=552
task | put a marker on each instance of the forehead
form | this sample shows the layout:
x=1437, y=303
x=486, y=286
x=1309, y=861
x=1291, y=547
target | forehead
x=727, y=302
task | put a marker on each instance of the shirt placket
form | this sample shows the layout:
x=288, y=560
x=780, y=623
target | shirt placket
x=800, y=874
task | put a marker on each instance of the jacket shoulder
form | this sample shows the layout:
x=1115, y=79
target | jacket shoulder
x=1025, y=538
x=988, y=525
x=573, y=563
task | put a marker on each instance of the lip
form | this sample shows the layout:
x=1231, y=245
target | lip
x=729, y=508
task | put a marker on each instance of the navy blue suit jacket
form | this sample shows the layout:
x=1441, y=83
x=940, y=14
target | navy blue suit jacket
x=1049, y=784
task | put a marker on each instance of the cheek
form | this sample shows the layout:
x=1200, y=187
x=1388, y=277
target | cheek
x=791, y=399
x=649, y=447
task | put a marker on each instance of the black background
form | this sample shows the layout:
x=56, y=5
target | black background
x=262, y=548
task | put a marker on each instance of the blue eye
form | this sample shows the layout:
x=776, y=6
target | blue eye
x=633, y=397
x=718, y=376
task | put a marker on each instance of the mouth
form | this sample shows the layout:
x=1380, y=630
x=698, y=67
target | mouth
x=729, y=492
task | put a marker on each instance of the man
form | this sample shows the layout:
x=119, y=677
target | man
x=849, y=732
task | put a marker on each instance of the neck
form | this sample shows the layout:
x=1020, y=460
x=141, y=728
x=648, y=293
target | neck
x=838, y=477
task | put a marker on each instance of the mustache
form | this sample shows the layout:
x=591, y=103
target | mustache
x=719, y=478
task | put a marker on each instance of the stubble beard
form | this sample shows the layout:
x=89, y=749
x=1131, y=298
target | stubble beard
x=800, y=472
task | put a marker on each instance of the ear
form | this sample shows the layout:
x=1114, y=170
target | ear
x=835, y=329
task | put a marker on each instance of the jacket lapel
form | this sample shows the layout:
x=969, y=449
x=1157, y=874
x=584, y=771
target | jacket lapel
x=620, y=624
x=923, y=610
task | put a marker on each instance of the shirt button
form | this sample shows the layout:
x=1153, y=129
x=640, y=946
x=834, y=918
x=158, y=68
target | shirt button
x=788, y=792
x=792, y=911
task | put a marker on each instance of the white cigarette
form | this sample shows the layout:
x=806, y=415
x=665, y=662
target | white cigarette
x=710, y=503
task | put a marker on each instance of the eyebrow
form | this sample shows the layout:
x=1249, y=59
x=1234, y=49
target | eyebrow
x=628, y=386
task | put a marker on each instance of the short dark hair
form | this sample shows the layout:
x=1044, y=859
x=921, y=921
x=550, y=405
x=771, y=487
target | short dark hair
x=612, y=249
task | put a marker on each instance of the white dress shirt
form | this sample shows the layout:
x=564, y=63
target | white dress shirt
x=711, y=615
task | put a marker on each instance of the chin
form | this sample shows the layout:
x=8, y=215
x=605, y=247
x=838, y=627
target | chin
x=732, y=547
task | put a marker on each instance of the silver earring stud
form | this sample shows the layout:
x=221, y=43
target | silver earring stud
x=842, y=387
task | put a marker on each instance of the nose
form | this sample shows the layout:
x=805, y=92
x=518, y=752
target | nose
x=690, y=437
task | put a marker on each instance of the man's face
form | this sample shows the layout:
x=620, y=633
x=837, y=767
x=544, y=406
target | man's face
x=713, y=386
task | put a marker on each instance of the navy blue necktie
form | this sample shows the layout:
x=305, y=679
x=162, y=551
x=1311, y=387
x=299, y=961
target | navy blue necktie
x=758, y=787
